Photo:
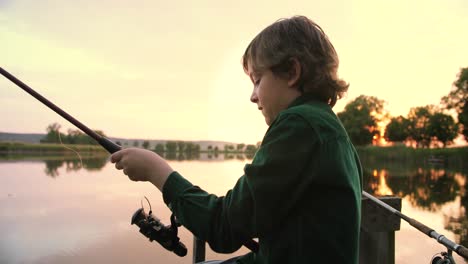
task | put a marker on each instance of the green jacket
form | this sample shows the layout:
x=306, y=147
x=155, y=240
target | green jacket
x=300, y=196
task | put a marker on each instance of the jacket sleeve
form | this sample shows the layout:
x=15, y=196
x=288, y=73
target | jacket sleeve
x=223, y=222
x=260, y=199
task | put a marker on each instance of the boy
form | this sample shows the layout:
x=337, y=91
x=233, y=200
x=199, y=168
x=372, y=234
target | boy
x=301, y=195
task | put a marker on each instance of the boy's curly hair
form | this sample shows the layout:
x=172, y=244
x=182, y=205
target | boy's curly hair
x=300, y=38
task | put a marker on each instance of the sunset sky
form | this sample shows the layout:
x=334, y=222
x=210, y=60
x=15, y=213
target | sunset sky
x=171, y=69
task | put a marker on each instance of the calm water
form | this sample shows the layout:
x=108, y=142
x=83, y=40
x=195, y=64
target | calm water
x=54, y=211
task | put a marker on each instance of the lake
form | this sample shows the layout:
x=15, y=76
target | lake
x=55, y=210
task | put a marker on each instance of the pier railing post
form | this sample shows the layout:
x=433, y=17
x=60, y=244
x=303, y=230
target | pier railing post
x=198, y=250
x=378, y=226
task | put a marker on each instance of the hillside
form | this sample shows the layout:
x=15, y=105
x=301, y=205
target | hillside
x=15, y=137
x=35, y=138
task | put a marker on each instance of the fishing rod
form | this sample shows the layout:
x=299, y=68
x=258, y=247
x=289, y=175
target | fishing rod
x=450, y=245
x=112, y=147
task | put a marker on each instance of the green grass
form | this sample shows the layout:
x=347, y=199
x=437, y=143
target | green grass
x=26, y=148
x=403, y=152
x=404, y=157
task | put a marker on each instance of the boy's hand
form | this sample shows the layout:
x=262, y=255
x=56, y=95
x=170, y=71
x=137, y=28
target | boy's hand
x=142, y=165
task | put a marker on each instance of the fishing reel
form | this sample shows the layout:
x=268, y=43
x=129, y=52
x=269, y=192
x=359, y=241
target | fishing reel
x=443, y=258
x=152, y=228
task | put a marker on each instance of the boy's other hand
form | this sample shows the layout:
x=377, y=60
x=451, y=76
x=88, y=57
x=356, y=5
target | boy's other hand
x=142, y=165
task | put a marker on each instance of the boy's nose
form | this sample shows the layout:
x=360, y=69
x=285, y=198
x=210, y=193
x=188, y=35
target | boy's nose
x=253, y=97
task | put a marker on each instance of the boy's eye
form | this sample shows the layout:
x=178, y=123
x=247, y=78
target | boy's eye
x=257, y=82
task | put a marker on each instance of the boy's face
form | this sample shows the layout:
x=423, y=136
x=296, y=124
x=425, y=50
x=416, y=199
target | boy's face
x=271, y=93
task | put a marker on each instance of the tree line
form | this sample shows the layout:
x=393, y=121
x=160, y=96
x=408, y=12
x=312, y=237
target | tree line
x=76, y=137
x=168, y=146
x=366, y=119
x=189, y=147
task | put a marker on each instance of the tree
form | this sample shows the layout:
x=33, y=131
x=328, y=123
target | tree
x=419, y=123
x=78, y=137
x=458, y=96
x=428, y=124
x=398, y=130
x=52, y=135
x=228, y=148
x=457, y=99
x=145, y=144
x=181, y=146
x=74, y=136
x=194, y=148
x=190, y=147
x=463, y=120
x=360, y=118
x=250, y=148
x=443, y=128
x=171, y=146
x=54, y=127
x=136, y=143
x=159, y=148
x=240, y=147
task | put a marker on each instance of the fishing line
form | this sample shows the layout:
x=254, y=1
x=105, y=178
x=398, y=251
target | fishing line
x=141, y=201
x=76, y=152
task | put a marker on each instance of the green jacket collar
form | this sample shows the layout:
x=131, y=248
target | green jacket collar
x=304, y=98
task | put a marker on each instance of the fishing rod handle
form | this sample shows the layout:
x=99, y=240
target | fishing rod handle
x=110, y=146
x=420, y=226
x=462, y=251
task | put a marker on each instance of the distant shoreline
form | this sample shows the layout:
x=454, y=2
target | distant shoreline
x=55, y=148
x=124, y=142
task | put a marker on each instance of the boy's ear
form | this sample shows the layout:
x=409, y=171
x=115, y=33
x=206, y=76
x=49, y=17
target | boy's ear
x=294, y=72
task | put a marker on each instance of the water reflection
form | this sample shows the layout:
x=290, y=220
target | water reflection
x=83, y=214
x=430, y=187
x=97, y=163
x=380, y=187
x=426, y=188
x=73, y=164
x=440, y=191
x=212, y=156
